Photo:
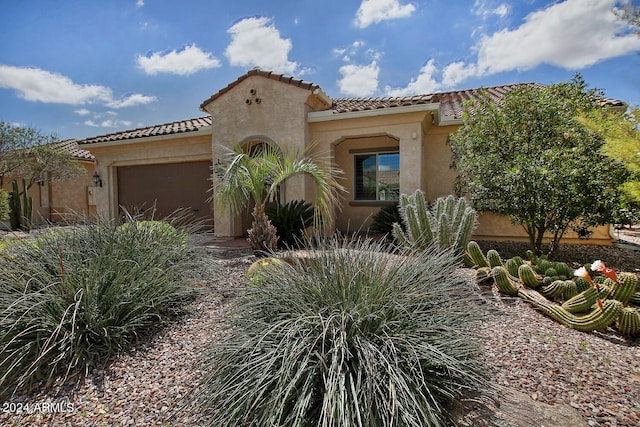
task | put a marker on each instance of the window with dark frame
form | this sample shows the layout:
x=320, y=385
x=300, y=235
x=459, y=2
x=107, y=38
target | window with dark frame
x=377, y=176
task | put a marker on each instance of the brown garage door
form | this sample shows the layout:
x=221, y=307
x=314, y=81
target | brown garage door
x=169, y=187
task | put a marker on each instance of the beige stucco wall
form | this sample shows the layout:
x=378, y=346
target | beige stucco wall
x=496, y=227
x=425, y=163
x=71, y=199
x=280, y=117
x=405, y=131
x=292, y=117
x=154, y=150
x=59, y=201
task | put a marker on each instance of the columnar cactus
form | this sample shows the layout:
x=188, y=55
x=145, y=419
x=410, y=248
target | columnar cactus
x=20, y=210
x=598, y=318
x=448, y=224
x=504, y=282
x=475, y=254
x=624, y=288
x=529, y=277
x=629, y=321
x=581, y=302
x=589, y=304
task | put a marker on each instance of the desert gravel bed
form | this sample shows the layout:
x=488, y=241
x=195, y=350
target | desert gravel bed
x=597, y=374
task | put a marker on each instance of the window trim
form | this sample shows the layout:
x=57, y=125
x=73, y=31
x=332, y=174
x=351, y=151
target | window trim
x=377, y=152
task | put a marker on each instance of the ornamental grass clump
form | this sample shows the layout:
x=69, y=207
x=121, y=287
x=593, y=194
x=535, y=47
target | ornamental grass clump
x=74, y=297
x=351, y=335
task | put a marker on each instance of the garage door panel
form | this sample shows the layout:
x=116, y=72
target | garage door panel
x=168, y=187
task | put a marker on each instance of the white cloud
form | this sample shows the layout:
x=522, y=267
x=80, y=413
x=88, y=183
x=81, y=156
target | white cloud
x=82, y=112
x=139, y=3
x=188, y=61
x=457, y=72
x=483, y=9
x=34, y=84
x=359, y=80
x=109, y=123
x=256, y=42
x=573, y=34
x=376, y=11
x=355, y=52
x=424, y=83
x=131, y=100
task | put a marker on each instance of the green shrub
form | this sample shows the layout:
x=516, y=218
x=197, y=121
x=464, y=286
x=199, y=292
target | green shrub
x=74, y=297
x=290, y=221
x=4, y=205
x=353, y=336
x=382, y=221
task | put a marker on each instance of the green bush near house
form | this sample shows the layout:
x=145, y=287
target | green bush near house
x=382, y=222
x=290, y=220
x=74, y=297
x=349, y=336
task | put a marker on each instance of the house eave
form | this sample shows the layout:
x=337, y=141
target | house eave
x=331, y=115
x=203, y=131
x=449, y=121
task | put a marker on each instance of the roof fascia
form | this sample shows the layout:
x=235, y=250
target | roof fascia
x=329, y=115
x=205, y=130
x=449, y=121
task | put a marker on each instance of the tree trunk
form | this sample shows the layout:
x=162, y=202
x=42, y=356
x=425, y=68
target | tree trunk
x=262, y=234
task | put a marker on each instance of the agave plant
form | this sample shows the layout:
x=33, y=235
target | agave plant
x=256, y=177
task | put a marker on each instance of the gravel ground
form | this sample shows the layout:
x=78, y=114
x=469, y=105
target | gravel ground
x=524, y=352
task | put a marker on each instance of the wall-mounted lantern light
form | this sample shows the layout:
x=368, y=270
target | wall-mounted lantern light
x=97, y=181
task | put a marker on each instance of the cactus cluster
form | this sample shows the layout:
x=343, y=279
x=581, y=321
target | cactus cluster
x=20, y=208
x=581, y=303
x=448, y=223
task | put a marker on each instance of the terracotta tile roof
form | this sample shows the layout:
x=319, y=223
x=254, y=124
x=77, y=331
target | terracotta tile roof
x=450, y=102
x=182, y=126
x=268, y=74
x=71, y=146
x=450, y=106
x=346, y=105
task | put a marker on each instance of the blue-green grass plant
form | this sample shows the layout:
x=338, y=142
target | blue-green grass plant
x=351, y=335
x=74, y=297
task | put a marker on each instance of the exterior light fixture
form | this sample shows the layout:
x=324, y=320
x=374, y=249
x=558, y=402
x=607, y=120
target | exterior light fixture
x=97, y=181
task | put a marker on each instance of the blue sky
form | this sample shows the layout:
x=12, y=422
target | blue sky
x=79, y=68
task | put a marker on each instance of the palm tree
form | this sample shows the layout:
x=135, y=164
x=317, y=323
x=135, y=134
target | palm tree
x=245, y=177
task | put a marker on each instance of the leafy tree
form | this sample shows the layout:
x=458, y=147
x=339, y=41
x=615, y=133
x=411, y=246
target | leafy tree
x=29, y=154
x=34, y=156
x=530, y=158
x=622, y=135
x=247, y=177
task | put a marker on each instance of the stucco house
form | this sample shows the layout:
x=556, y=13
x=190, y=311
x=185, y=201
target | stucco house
x=63, y=201
x=385, y=146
